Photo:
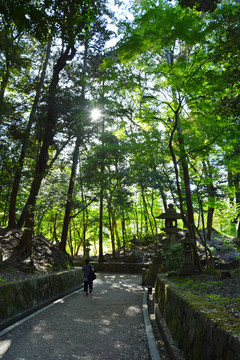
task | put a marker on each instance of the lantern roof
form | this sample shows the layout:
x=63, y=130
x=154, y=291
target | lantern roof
x=169, y=214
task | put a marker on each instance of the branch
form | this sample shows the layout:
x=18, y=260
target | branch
x=204, y=147
x=85, y=207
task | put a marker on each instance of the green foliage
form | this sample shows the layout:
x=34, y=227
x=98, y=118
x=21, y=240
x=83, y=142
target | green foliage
x=173, y=258
x=172, y=67
x=200, y=5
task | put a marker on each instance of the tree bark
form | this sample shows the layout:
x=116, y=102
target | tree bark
x=123, y=235
x=111, y=227
x=211, y=198
x=101, y=258
x=26, y=240
x=190, y=213
x=230, y=185
x=179, y=190
x=147, y=218
x=68, y=206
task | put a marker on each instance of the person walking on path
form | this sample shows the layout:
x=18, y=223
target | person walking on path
x=88, y=276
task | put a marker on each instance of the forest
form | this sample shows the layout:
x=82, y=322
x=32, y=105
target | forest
x=109, y=111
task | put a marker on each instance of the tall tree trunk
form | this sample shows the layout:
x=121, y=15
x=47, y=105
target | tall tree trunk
x=175, y=165
x=123, y=235
x=18, y=173
x=55, y=238
x=26, y=240
x=210, y=222
x=190, y=213
x=231, y=186
x=211, y=198
x=155, y=222
x=136, y=220
x=188, y=195
x=68, y=206
x=102, y=168
x=66, y=222
x=100, y=256
x=111, y=227
x=118, y=241
x=147, y=212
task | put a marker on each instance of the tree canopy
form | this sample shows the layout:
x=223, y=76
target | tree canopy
x=168, y=98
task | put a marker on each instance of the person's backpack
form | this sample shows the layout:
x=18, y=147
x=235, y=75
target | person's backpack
x=91, y=275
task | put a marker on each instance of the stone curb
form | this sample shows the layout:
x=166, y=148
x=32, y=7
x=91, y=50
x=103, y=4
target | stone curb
x=172, y=351
x=153, y=350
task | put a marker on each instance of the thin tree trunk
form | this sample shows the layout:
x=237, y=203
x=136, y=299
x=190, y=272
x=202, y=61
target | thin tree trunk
x=230, y=185
x=111, y=228
x=211, y=199
x=55, y=238
x=204, y=232
x=179, y=190
x=66, y=221
x=70, y=243
x=118, y=241
x=146, y=209
x=101, y=258
x=123, y=236
x=136, y=217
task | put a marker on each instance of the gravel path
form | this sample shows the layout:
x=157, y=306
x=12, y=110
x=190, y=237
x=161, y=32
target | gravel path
x=105, y=325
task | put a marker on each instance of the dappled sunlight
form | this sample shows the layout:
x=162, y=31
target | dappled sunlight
x=110, y=316
x=103, y=292
x=105, y=322
x=104, y=327
x=133, y=310
x=4, y=346
x=110, y=278
x=126, y=287
x=38, y=329
x=59, y=301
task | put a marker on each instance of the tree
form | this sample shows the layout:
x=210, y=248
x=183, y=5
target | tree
x=179, y=64
x=77, y=16
x=17, y=177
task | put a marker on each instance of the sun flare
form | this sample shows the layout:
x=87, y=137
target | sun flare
x=95, y=113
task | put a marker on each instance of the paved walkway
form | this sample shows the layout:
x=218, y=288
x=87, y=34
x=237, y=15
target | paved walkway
x=105, y=325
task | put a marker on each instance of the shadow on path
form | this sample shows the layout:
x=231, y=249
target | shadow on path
x=105, y=325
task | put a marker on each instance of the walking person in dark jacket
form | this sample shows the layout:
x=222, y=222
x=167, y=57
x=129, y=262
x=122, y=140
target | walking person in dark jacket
x=88, y=276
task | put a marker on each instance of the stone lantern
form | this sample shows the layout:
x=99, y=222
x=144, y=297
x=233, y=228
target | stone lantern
x=134, y=256
x=135, y=243
x=87, y=246
x=188, y=266
x=170, y=228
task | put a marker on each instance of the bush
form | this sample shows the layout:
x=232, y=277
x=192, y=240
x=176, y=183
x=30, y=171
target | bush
x=173, y=258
